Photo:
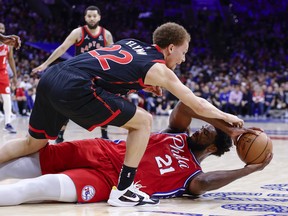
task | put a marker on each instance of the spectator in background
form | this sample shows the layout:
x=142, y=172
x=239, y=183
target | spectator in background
x=269, y=101
x=234, y=100
x=30, y=99
x=206, y=93
x=223, y=97
x=21, y=99
x=163, y=107
x=258, y=99
x=150, y=105
x=246, y=103
x=215, y=100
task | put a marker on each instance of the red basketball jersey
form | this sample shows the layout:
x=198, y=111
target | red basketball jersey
x=167, y=165
x=164, y=171
x=4, y=76
x=4, y=49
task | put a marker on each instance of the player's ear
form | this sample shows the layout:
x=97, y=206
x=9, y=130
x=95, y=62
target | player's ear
x=170, y=48
x=212, y=148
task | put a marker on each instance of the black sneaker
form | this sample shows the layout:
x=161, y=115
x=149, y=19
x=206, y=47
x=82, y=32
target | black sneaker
x=131, y=196
x=9, y=128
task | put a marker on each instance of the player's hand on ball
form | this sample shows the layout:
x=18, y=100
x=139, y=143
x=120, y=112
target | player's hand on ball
x=156, y=90
x=236, y=132
x=260, y=166
x=254, y=130
x=234, y=120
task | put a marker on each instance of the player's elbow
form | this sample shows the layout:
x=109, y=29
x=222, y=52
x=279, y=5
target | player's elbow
x=199, y=185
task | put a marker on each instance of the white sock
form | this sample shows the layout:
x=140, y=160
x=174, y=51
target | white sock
x=7, y=107
x=24, y=167
x=51, y=187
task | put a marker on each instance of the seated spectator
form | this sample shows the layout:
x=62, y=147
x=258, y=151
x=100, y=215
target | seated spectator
x=21, y=99
x=258, y=101
x=246, y=103
x=223, y=98
x=269, y=100
x=234, y=100
x=163, y=107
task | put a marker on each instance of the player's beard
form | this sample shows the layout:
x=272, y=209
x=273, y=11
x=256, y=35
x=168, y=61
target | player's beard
x=194, y=146
x=93, y=26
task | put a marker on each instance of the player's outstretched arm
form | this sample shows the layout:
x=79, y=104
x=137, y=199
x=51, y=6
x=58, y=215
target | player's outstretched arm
x=160, y=75
x=69, y=41
x=182, y=115
x=213, y=180
x=11, y=40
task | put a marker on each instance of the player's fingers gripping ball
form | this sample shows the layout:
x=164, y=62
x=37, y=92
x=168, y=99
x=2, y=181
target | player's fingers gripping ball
x=253, y=148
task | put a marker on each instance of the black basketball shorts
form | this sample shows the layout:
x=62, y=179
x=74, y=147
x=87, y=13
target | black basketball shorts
x=64, y=94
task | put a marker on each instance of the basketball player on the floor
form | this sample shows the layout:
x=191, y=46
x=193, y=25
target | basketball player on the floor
x=85, y=38
x=169, y=168
x=6, y=54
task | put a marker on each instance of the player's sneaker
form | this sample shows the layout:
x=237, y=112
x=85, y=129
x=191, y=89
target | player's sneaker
x=9, y=128
x=131, y=196
x=59, y=140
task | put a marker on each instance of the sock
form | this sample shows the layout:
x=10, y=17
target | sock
x=104, y=132
x=126, y=177
x=61, y=133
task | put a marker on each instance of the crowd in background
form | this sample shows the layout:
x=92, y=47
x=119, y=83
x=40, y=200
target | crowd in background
x=237, y=58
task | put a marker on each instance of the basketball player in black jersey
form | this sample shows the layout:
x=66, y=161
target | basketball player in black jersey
x=85, y=38
x=87, y=89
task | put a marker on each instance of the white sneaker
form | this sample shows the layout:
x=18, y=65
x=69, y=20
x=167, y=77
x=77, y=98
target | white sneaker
x=131, y=196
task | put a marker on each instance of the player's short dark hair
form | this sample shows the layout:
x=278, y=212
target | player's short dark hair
x=92, y=7
x=223, y=143
x=170, y=33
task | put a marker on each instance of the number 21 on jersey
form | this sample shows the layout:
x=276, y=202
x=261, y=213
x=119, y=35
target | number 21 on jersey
x=164, y=164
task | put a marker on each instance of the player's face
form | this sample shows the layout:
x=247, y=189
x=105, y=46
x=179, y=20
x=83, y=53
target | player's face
x=176, y=55
x=92, y=19
x=203, y=138
x=2, y=28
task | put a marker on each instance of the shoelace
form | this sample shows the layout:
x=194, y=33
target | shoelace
x=137, y=186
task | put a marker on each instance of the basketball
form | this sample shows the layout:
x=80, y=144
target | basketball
x=253, y=148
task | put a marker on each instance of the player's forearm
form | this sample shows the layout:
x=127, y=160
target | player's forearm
x=55, y=55
x=206, y=109
x=216, y=179
x=182, y=115
x=2, y=37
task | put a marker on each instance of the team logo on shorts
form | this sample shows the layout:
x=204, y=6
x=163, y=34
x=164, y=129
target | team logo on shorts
x=88, y=192
x=7, y=90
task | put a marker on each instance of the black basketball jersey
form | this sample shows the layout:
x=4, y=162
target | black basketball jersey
x=89, y=42
x=120, y=67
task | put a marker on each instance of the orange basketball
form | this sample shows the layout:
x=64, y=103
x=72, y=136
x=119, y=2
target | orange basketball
x=252, y=148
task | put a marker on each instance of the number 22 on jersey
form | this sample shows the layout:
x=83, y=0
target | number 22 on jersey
x=125, y=57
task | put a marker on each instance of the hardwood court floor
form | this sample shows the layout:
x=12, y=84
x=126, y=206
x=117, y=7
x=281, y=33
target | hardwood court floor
x=261, y=193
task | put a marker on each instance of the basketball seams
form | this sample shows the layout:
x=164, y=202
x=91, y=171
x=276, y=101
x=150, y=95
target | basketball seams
x=247, y=151
x=253, y=148
x=267, y=140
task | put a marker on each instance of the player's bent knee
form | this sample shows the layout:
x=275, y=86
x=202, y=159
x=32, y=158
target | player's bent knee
x=146, y=120
x=34, y=145
x=141, y=120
